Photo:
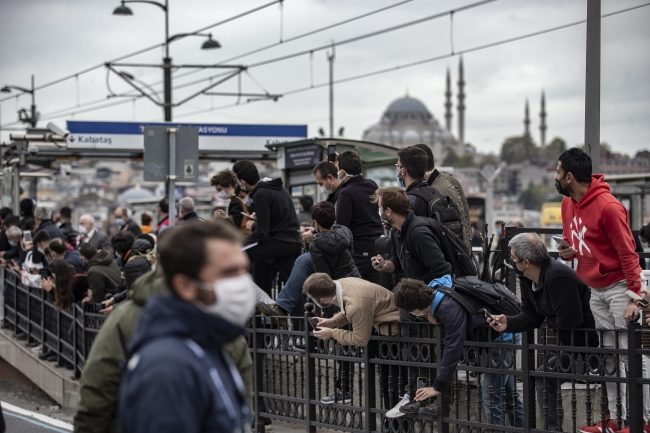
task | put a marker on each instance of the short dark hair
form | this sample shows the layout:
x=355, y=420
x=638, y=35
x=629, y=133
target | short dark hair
x=5, y=212
x=66, y=212
x=319, y=285
x=578, y=163
x=324, y=214
x=324, y=169
x=183, y=248
x=149, y=239
x=224, y=178
x=246, y=171
x=145, y=219
x=350, y=161
x=430, y=160
x=164, y=205
x=122, y=242
x=410, y=294
x=57, y=246
x=11, y=221
x=307, y=202
x=87, y=250
x=414, y=160
x=392, y=197
x=41, y=236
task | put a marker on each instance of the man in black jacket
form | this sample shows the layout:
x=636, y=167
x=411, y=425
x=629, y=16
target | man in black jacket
x=275, y=229
x=66, y=228
x=27, y=206
x=43, y=218
x=104, y=275
x=550, y=291
x=125, y=223
x=356, y=211
x=60, y=251
x=186, y=210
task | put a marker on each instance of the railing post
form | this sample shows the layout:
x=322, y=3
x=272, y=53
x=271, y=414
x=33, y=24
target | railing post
x=310, y=410
x=258, y=378
x=635, y=370
x=443, y=397
x=528, y=364
x=369, y=384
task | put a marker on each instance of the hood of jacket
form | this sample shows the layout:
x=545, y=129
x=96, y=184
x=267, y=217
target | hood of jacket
x=169, y=316
x=334, y=242
x=102, y=258
x=598, y=186
x=275, y=184
x=140, y=246
x=147, y=286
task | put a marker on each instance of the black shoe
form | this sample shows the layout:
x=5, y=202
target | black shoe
x=20, y=336
x=68, y=365
x=411, y=408
x=43, y=356
x=52, y=358
x=429, y=410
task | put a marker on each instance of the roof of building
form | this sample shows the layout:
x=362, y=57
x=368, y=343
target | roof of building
x=406, y=104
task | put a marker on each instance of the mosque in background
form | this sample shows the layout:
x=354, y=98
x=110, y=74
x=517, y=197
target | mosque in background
x=407, y=121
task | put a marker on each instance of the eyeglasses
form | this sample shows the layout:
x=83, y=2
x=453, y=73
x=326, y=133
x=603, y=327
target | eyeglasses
x=397, y=166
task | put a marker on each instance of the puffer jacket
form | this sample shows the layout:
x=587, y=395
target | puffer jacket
x=137, y=262
x=104, y=275
x=102, y=374
x=331, y=253
x=178, y=379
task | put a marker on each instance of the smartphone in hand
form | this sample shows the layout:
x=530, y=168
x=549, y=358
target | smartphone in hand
x=313, y=321
x=561, y=241
x=487, y=313
x=635, y=297
x=331, y=153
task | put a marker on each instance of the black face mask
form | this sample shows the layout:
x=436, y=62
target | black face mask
x=560, y=190
x=385, y=222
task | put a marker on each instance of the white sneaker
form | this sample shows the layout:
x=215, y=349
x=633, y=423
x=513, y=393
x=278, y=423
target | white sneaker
x=395, y=412
x=37, y=349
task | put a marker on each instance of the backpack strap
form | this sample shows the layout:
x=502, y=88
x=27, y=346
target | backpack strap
x=244, y=219
x=458, y=298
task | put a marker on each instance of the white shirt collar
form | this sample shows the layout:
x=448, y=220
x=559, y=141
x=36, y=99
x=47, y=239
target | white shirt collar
x=339, y=296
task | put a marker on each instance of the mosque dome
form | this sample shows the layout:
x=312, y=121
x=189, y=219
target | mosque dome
x=407, y=104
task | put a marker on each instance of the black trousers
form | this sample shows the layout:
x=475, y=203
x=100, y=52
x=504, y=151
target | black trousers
x=364, y=265
x=270, y=257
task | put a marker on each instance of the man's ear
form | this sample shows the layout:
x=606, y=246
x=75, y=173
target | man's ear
x=184, y=288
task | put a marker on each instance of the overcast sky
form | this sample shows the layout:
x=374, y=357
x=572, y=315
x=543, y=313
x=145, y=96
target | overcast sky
x=55, y=38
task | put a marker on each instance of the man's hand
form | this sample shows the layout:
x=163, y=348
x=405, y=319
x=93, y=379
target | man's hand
x=3, y=263
x=382, y=265
x=109, y=302
x=324, y=333
x=631, y=312
x=307, y=234
x=107, y=311
x=499, y=324
x=565, y=251
x=326, y=323
x=219, y=213
x=425, y=393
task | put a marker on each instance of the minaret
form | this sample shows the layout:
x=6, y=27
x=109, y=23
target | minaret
x=542, y=125
x=448, y=103
x=461, y=104
x=527, y=121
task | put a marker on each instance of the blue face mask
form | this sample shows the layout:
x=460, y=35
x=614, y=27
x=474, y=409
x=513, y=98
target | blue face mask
x=13, y=244
x=399, y=179
x=499, y=231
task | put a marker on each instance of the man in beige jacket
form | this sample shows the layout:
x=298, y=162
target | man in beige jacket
x=363, y=304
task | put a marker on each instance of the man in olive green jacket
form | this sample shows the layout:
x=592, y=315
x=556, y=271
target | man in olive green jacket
x=102, y=375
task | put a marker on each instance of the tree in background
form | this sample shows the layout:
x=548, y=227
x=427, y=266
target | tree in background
x=453, y=160
x=533, y=196
x=519, y=149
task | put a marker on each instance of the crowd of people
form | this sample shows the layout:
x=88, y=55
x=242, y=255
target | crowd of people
x=172, y=355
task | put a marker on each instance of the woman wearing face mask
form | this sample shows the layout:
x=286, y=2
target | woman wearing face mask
x=68, y=286
x=227, y=186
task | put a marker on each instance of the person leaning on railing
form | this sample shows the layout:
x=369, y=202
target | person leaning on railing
x=550, y=291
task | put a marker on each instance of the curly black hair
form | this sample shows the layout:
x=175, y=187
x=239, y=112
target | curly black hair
x=412, y=295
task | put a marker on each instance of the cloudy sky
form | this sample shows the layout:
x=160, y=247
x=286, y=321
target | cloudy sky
x=55, y=38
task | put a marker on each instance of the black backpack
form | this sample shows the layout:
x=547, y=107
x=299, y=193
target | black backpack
x=452, y=246
x=474, y=295
x=443, y=206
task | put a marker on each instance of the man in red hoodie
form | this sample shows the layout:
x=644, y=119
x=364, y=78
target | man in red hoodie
x=598, y=236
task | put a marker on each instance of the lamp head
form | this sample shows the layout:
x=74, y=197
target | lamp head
x=5, y=89
x=123, y=10
x=210, y=44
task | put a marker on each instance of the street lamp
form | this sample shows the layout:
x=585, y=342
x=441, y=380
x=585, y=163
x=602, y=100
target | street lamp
x=124, y=10
x=22, y=113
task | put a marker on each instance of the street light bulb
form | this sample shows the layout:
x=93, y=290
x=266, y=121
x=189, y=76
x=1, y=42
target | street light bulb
x=5, y=89
x=123, y=10
x=210, y=44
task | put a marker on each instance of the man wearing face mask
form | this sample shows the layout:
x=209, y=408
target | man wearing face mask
x=125, y=223
x=275, y=229
x=356, y=211
x=549, y=291
x=177, y=377
x=88, y=233
x=596, y=234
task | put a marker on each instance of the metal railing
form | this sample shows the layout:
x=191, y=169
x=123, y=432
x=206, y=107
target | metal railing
x=494, y=374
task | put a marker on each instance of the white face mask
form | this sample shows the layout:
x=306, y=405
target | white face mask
x=82, y=230
x=223, y=195
x=235, y=299
x=119, y=221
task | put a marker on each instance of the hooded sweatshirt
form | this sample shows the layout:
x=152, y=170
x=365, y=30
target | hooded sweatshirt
x=178, y=378
x=103, y=275
x=275, y=212
x=597, y=228
x=331, y=253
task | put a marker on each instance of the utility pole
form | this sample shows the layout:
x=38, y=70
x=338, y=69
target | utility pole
x=330, y=58
x=592, y=85
x=167, y=69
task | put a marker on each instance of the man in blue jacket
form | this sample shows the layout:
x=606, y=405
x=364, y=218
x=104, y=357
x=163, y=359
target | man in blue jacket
x=178, y=378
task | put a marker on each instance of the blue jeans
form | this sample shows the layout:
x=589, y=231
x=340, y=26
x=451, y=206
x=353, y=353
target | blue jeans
x=291, y=293
x=493, y=409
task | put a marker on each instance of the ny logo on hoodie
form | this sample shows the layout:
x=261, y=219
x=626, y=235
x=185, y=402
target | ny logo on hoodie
x=579, y=233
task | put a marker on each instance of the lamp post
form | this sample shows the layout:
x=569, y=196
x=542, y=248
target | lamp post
x=124, y=10
x=32, y=119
